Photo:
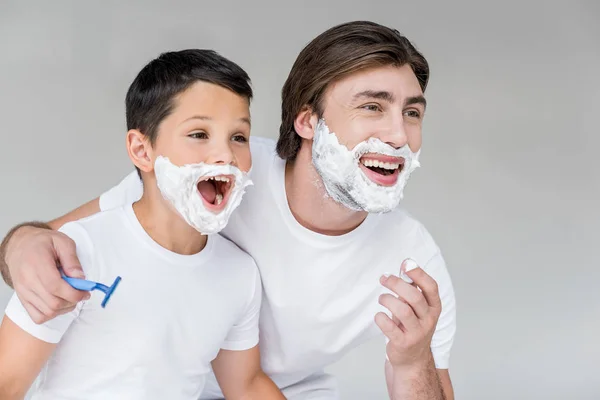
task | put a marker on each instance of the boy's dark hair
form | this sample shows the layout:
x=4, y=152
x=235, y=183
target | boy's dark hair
x=333, y=55
x=150, y=97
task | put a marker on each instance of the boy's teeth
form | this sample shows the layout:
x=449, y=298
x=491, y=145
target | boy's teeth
x=219, y=178
x=218, y=199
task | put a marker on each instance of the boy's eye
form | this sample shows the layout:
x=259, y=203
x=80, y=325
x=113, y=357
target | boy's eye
x=198, y=135
x=240, y=138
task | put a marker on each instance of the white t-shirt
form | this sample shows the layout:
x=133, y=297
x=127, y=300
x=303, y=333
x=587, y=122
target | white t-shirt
x=164, y=323
x=320, y=292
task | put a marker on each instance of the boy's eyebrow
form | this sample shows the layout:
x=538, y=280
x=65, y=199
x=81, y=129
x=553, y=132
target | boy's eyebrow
x=205, y=118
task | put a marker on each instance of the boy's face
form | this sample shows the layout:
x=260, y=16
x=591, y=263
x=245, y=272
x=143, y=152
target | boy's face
x=208, y=124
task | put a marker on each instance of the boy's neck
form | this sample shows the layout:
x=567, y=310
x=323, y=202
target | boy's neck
x=309, y=202
x=164, y=225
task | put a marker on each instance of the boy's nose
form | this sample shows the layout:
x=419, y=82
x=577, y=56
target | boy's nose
x=220, y=154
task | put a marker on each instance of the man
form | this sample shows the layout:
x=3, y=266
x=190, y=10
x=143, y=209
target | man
x=322, y=224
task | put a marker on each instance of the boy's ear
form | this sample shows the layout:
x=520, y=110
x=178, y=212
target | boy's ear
x=305, y=123
x=140, y=150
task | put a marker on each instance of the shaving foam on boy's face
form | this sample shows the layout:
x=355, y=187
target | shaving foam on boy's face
x=205, y=195
x=370, y=177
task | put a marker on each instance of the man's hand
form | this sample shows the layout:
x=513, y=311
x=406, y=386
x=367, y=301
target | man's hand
x=415, y=314
x=32, y=254
x=415, y=311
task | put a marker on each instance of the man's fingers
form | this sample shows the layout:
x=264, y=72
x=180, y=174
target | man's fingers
x=408, y=293
x=388, y=327
x=35, y=314
x=66, y=255
x=428, y=286
x=53, y=302
x=400, y=310
x=38, y=304
x=28, y=298
x=48, y=283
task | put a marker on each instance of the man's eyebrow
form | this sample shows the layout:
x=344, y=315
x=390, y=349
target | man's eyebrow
x=375, y=94
x=415, y=100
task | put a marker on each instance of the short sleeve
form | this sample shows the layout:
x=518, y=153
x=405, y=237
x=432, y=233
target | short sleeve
x=53, y=330
x=244, y=334
x=128, y=191
x=443, y=337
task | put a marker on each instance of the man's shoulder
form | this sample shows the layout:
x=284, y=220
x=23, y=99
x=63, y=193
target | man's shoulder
x=230, y=254
x=408, y=229
x=262, y=149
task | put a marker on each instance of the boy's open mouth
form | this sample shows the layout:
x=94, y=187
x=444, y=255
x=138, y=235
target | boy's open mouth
x=382, y=170
x=215, y=191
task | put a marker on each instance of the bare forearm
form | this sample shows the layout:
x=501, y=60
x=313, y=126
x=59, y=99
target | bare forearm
x=18, y=232
x=262, y=387
x=12, y=236
x=421, y=383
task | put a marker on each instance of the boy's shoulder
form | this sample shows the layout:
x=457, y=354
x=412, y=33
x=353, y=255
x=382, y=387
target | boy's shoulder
x=107, y=223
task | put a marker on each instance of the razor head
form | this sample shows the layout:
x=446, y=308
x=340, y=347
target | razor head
x=108, y=293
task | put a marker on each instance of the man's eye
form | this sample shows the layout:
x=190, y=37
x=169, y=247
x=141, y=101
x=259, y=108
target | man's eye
x=412, y=113
x=372, y=107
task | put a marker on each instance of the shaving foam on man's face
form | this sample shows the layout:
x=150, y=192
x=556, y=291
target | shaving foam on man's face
x=204, y=194
x=370, y=177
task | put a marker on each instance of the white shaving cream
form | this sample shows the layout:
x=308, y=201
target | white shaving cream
x=343, y=178
x=179, y=185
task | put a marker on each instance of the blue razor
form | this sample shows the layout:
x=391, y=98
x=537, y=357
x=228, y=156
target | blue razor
x=88, y=286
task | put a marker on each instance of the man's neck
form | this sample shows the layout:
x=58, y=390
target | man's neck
x=164, y=225
x=309, y=202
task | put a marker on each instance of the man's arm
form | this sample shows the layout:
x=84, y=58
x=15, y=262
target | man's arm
x=22, y=356
x=401, y=387
x=241, y=378
x=29, y=256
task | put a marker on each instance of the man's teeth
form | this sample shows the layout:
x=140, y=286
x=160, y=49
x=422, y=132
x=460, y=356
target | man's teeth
x=218, y=199
x=379, y=164
x=219, y=178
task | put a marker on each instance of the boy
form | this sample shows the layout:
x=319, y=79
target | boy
x=188, y=129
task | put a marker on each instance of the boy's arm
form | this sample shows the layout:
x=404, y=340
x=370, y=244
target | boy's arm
x=25, y=345
x=22, y=356
x=240, y=376
x=237, y=366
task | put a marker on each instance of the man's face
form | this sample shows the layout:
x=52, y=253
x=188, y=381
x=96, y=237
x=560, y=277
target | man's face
x=367, y=143
x=385, y=103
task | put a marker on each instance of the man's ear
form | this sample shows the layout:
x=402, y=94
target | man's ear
x=140, y=150
x=306, y=122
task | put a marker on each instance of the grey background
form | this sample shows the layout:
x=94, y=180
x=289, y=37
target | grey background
x=510, y=180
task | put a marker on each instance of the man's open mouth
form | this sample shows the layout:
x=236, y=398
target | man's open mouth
x=215, y=191
x=383, y=170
